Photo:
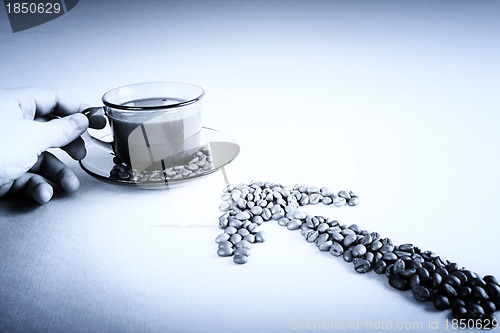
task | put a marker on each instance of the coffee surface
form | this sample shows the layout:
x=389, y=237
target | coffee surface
x=143, y=137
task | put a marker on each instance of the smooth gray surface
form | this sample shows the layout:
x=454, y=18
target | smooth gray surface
x=396, y=101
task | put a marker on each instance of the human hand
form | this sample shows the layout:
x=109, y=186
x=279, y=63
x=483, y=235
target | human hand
x=32, y=121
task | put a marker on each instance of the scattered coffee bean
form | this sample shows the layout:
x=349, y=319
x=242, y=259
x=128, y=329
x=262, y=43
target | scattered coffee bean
x=359, y=250
x=240, y=259
x=347, y=255
x=441, y=302
x=222, y=237
x=242, y=252
x=225, y=251
x=379, y=267
x=399, y=282
x=244, y=244
x=429, y=276
x=362, y=266
x=325, y=246
x=260, y=237
x=336, y=249
x=294, y=224
x=421, y=294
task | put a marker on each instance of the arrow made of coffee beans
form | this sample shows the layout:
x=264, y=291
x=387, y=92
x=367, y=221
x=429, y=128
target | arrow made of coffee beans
x=406, y=266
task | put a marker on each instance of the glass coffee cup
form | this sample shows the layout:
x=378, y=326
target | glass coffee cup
x=155, y=125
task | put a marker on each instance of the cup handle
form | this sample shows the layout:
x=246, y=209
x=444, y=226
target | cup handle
x=89, y=112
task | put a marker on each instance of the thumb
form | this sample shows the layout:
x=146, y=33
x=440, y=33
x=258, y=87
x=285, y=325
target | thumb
x=59, y=132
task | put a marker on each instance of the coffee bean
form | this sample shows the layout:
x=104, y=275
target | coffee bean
x=225, y=251
x=490, y=279
x=223, y=221
x=344, y=194
x=430, y=267
x=452, y=280
x=225, y=243
x=477, y=282
x=242, y=252
x=401, y=254
x=347, y=255
x=249, y=238
x=312, y=222
x=421, y=294
x=387, y=241
x=225, y=206
x=441, y=302
x=488, y=306
x=222, y=237
x=464, y=292
x=257, y=219
x=475, y=311
x=243, y=232
x=230, y=230
x=323, y=227
x=240, y=259
x=260, y=237
x=389, y=270
x=353, y=201
x=470, y=275
x=423, y=273
x=437, y=280
x=256, y=210
x=349, y=240
x=322, y=238
x=399, y=266
x=235, y=238
x=389, y=256
x=369, y=256
x=299, y=215
x=243, y=244
x=386, y=249
x=443, y=272
x=362, y=266
x=284, y=222
x=452, y=267
x=337, y=237
x=339, y=202
x=375, y=246
x=366, y=240
x=448, y=290
x=294, y=224
x=311, y=236
x=492, y=289
x=414, y=281
x=325, y=246
x=327, y=201
x=379, y=267
x=399, y=282
x=235, y=223
x=459, y=312
x=479, y=293
x=461, y=276
x=266, y=214
x=377, y=256
x=406, y=247
x=407, y=273
x=336, y=249
x=359, y=250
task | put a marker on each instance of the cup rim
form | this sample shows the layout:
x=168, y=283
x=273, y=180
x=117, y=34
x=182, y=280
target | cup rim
x=154, y=107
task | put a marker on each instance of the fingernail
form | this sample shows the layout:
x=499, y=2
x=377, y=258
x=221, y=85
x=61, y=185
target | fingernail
x=80, y=121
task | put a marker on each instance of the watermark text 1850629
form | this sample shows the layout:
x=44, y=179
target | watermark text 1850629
x=25, y=14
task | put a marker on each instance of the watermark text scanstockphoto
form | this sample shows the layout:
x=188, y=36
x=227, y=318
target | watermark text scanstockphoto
x=379, y=325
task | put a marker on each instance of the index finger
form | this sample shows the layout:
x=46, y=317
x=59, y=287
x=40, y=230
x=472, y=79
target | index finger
x=36, y=102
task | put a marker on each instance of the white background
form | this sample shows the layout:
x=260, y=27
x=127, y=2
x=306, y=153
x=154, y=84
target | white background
x=396, y=101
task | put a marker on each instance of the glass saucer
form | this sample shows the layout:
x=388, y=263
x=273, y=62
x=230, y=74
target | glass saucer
x=218, y=151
